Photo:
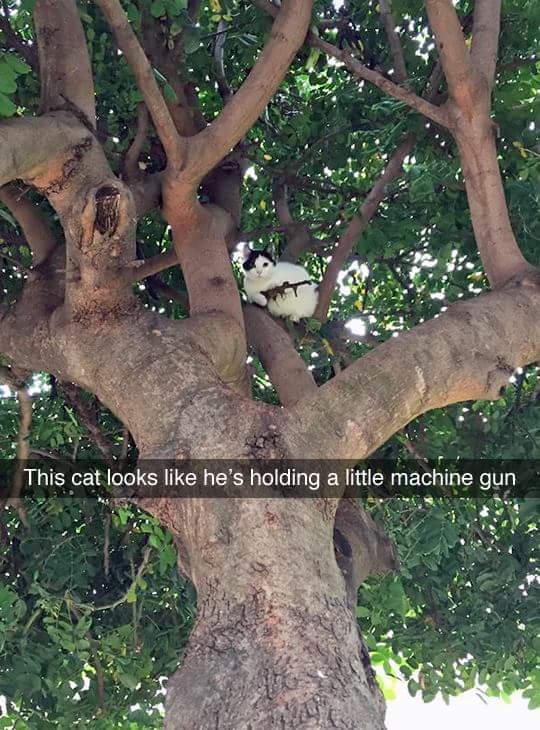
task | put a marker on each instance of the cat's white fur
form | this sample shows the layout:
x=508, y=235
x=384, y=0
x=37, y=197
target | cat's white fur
x=266, y=275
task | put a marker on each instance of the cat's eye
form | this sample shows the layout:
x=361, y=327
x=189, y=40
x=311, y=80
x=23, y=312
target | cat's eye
x=265, y=263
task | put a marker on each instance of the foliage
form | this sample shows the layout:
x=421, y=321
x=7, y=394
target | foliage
x=461, y=613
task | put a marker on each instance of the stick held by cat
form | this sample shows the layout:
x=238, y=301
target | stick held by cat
x=262, y=273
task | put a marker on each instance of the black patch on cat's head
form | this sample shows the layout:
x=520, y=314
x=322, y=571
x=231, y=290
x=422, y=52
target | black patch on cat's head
x=249, y=262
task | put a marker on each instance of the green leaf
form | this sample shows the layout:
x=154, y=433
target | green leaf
x=17, y=64
x=6, y=215
x=131, y=596
x=7, y=107
x=128, y=681
x=192, y=40
x=8, y=79
x=158, y=9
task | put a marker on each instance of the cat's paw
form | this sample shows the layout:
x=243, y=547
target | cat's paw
x=261, y=300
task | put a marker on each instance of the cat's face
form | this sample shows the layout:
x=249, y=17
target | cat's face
x=258, y=265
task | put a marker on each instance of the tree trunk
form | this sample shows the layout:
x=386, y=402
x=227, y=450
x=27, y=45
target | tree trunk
x=275, y=644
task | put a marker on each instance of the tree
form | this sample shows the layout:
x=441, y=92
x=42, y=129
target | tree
x=93, y=206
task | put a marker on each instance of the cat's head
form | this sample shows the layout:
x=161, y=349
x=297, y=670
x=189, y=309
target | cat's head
x=258, y=264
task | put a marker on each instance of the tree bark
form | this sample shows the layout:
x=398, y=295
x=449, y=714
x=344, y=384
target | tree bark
x=501, y=256
x=275, y=644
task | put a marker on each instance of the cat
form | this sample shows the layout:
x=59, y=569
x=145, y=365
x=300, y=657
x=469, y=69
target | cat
x=262, y=272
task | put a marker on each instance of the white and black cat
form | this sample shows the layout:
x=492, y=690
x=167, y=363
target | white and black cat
x=262, y=272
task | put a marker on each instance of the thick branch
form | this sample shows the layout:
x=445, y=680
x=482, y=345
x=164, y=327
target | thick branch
x=358, y=224
x=33, y=224
x=144, y=75
x=468, y=353
x=28, y=143
x=400, y=70
x=453, y=51
x=485, y=42
x=65, y=71
x=244, y=108
x=286, y=369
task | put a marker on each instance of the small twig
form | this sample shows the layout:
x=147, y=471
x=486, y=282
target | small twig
x=224, y=88
x=119, y=601
x=107, y=544
x=88, y=418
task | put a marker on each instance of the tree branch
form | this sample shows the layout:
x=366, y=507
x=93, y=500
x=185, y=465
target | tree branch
x=142, y=268
x=242, y=111
x=467, y=353
x=431, y=111
x=144, y=76
x=400, y=70
x=29, y=143
x=518, y=62
x=287, y=371
x=33, y=224
x=485, y=41
x=299, y=237
x=453, y=51
x=147, y=193
x=130, y=164
x=358, y=224
x=64, y=63
x=469, y=82
x=88, y=417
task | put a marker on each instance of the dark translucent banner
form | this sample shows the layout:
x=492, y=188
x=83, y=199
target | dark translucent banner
x=272, y=478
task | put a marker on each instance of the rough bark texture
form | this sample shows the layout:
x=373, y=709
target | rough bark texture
x=276, y=645
x=272, y=647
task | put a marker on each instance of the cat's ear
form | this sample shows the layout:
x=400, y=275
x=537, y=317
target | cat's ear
x=243, y=250
x=268, y=252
